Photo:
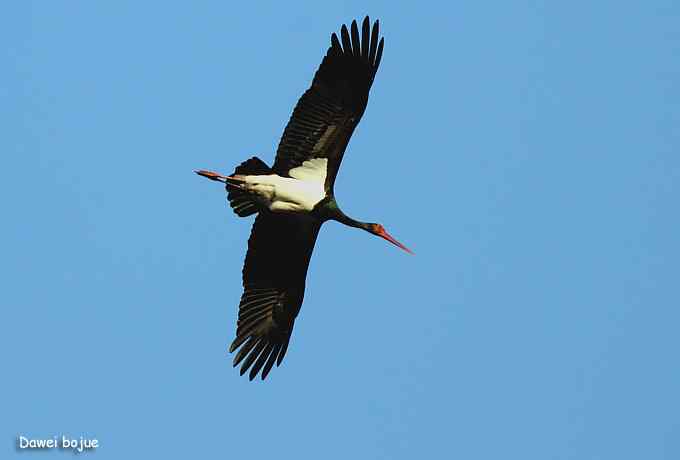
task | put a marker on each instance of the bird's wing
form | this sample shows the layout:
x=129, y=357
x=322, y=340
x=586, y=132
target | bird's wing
x=327, y=113
x=274, y=273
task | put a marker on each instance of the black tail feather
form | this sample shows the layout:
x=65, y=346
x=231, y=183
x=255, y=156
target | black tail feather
x=243, y=203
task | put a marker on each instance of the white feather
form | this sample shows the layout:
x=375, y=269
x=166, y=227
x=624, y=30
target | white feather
x=298, y=193
x=311, y=170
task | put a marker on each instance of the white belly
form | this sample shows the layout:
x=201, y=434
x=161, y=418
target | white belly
x=298, y=193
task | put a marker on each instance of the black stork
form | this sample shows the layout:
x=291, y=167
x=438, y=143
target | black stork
x=293, y=198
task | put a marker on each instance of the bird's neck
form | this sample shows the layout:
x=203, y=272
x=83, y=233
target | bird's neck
x=335, y=213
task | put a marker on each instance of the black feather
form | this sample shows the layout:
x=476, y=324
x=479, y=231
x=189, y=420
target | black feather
x=253, y=356
x=374, y=42
x=270, y=362
x=243, y=203
x=252, y=341
x=282, y=352
x=346, y=43
x=356, y=42
x=378, y=57
x=260, y=361
x=254, y=321
x=256, y=303
x=365, y=38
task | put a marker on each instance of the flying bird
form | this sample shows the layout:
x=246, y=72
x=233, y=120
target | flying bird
x=294, y=197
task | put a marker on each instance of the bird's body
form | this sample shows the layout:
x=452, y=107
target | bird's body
x=294, y=197
x=299, y=193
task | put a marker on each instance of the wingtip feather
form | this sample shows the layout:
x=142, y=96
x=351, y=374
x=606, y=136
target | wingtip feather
x=346, y=43
x=365, y=37
x=261, y=360
x=252, y=356
x=378, y=56
x=356, y=42
x=270, y=362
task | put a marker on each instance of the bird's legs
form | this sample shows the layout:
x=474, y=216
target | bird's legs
x=229, y=180
x=212, y=175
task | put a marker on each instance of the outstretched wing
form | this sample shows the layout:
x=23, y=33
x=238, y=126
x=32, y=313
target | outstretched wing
x=327, y=113
x=274, y=273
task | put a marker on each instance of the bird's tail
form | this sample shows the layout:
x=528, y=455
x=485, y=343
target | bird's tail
x=244, y=203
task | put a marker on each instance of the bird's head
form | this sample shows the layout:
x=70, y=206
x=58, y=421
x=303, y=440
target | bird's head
x=380, y=231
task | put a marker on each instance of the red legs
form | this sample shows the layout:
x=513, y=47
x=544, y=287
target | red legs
x=224, y=179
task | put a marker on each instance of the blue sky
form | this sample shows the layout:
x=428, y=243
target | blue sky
x=527, y=153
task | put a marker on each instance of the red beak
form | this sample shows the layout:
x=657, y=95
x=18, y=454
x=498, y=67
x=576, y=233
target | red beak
x=383, y=234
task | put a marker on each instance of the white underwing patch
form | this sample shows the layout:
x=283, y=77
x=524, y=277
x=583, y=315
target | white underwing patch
x=298, y=193
x=311, y=170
